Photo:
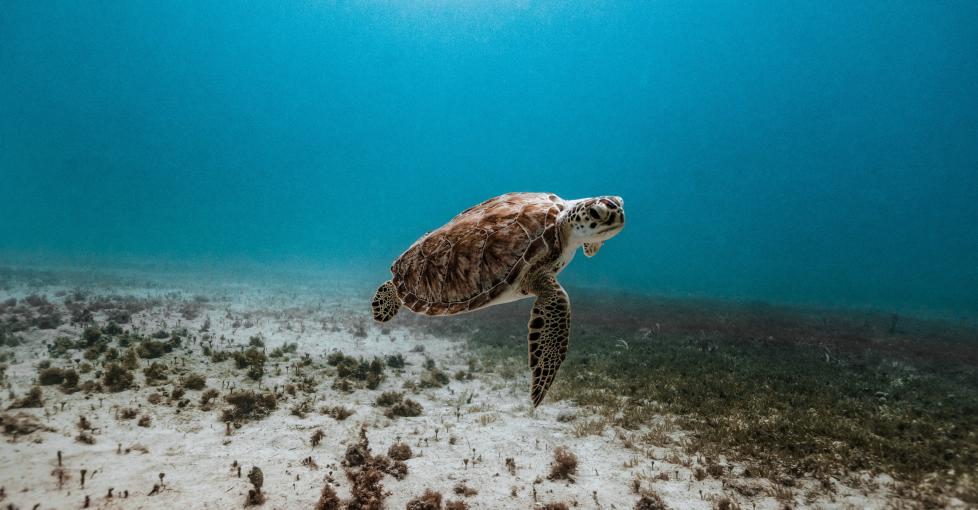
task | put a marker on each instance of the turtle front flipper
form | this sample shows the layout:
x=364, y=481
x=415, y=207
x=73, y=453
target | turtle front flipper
x=385, y=303
x=591, y=249
x=549, y=334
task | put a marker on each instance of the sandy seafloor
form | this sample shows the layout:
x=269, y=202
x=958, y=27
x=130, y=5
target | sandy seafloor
x=486, y=419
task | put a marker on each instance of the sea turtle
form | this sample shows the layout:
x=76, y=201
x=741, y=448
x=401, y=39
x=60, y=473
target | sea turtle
x=507, y=248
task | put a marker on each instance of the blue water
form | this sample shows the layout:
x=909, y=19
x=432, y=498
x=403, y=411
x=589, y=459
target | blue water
x=803, y=152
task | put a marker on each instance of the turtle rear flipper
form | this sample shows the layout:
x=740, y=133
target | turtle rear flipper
x=385, y=303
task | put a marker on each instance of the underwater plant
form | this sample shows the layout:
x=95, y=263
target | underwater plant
x=21, y=423
x=253, y=360
x=371, y=373
x=395, y=361
x=430, y=500
x=400, y=451
x=389, y=398
x=48, y=320
x=84, y=433
x=219, y=356
x=60, y=347
x=155, y=372
x=152, y=349
x=91, y=335
x=701, y=365
x=130, y=360
x=49, y=376
x=725, y=503
x=511, y=466
x=207, y=397
x=328, y=500
x=287, y=348
x=112, y=328
x=564, y=465
x=433, y=378
x=116, y=378
x=193, y=382
x=339, y=413
x=248, y=405
x=464, y=490
x=257, y=479
x=317, y=437
x=404, y=408
x=301, y=408
x=34, y=398
x=365, y=471
x=650, y=500
x=70, y=382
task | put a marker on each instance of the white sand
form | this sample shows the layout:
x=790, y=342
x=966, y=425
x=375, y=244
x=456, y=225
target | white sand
x=191, y=448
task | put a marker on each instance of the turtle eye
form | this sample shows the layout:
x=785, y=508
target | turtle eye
x=593, y=213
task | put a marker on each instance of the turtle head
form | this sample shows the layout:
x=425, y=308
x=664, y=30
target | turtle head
x=595, y=220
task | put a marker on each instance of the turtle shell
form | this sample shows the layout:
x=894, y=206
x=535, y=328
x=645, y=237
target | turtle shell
x=478, y=255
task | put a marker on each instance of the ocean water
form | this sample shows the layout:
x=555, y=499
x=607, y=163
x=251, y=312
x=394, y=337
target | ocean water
x=822, y=153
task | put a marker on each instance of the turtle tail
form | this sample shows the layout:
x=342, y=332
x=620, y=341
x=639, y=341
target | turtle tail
x=385, y=303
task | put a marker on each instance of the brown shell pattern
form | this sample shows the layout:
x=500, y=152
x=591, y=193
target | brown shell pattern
x=479, y=254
